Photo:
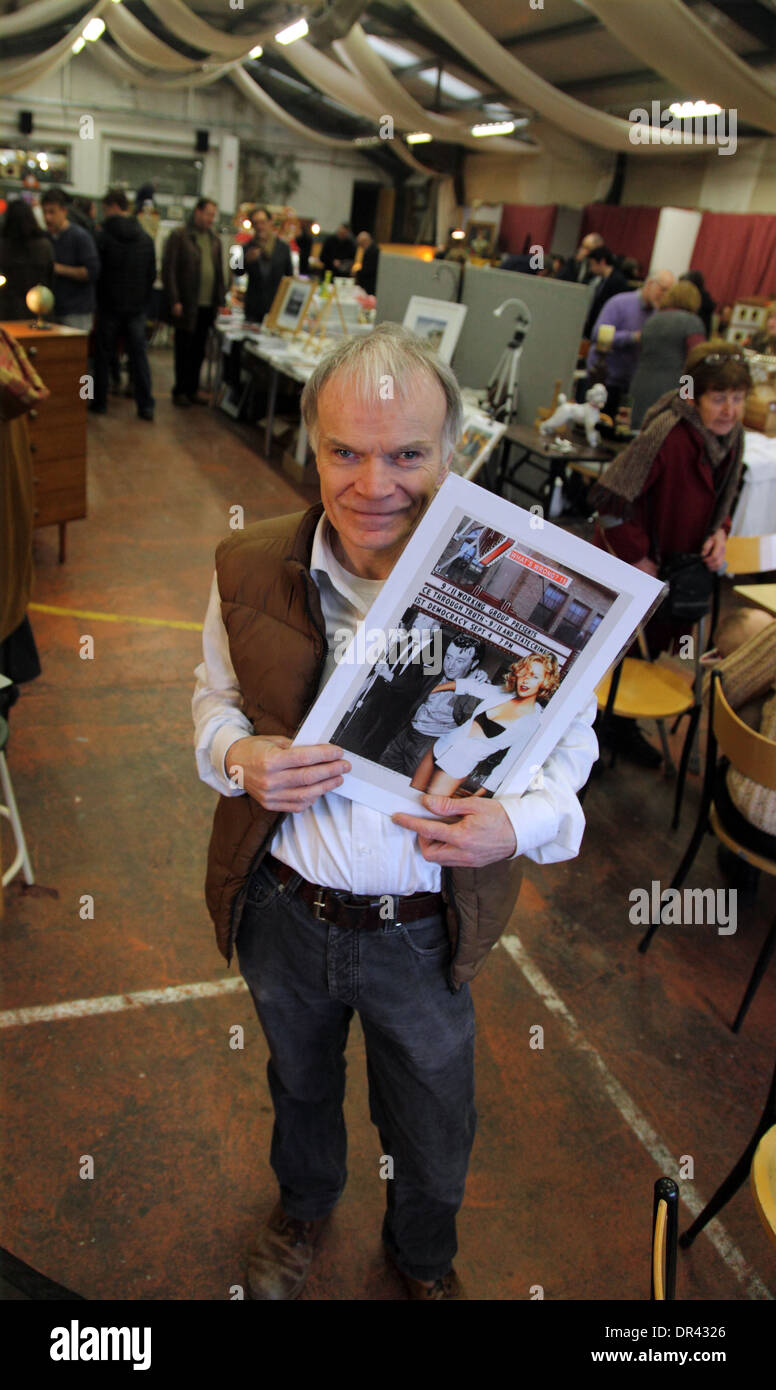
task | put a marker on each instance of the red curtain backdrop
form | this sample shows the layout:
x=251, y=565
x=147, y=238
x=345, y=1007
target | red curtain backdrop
x=521, y=220
x=736, y=251
x=629, y=231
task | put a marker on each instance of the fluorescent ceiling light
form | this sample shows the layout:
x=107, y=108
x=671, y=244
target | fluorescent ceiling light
x=392, y=52
x=93, y=29
x=451, y=86
x=79, y=44
x=689, y=109
x=494, y=128
x=256, y=52
x=418, y=137
x=294, y=31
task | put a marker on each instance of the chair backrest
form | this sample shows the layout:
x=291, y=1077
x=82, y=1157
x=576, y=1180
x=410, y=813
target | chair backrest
x=749, y=752
x=750, y=554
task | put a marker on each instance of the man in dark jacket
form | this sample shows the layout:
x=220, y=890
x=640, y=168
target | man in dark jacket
x=193, y=279
x=611, y=281
x=339, y=251
x=128, y=262
x=578, y=267
x=76, y=264
x=267, y=260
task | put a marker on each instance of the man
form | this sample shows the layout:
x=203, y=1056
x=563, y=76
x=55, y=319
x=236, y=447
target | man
x=626, y=313
x=395, y=685
x=76, y=264
x=578, y=267
x=611, y=281
x=366, y=275
x=193, y=279
x=338, y=251
x=298, y=876
x=127, y=274
x=267, y=260
x=441, y=711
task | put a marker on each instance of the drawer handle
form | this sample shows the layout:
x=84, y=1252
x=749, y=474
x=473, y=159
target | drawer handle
x=33, y=414
x=32, y=352
x=36, y=511
x=33, y=448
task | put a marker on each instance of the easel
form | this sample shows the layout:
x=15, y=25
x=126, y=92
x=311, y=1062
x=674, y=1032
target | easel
x=323, y=315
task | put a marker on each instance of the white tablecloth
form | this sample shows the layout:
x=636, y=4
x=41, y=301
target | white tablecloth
x=755, y=514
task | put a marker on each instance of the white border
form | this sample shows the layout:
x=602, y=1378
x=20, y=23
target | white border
x=442, y=309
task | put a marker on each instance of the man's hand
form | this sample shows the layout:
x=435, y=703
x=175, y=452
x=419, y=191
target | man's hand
x=282, y=778
x=647, y=565
x=481, y=834
x=713, y=549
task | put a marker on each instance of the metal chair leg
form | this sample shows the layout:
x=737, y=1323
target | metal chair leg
x=668, y=761
x=760, y=967
x=689, y=738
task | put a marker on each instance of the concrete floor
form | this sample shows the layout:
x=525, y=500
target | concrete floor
x=638, y=1068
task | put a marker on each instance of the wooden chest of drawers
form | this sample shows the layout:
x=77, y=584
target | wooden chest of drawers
x=57, y=427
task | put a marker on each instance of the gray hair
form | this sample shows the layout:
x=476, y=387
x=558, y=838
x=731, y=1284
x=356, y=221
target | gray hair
x=389, y=354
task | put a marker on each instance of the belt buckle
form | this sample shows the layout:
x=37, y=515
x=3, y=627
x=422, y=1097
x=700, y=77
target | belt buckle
x=319, y=903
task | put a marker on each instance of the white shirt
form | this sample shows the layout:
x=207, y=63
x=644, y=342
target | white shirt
x=340, y=843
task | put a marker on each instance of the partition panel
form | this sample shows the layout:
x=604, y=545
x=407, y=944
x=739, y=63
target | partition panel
x=399, y=277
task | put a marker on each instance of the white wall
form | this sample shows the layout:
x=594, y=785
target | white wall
x=677, y=229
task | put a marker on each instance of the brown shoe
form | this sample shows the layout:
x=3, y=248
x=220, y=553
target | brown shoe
x=448, y=1286
x=280, y=1261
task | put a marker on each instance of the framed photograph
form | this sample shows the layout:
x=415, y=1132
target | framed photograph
x=487, y=640
x=290, y=305
x=438, y=321
x=481, y=238
x=480, y=436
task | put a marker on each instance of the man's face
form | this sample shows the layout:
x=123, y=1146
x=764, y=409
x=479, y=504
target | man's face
x=55, y=217
x=596, y=266
x=342, y=232
x=655, y=289
x=261, y=226
x=205, y=217
x=589, y=243
x=721, y=410
x=380, y=463
x=458, y=661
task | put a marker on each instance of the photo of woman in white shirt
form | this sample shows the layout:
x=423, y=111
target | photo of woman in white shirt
x=500, y=721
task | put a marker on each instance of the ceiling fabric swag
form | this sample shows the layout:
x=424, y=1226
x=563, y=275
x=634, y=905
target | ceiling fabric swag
x=456, y=26
x=143, y=46
x=36, y=16
x=672, y=39
x=125, y=71
x=186, y=25
x=356, y=50
x=259, y=98
x=20, y=72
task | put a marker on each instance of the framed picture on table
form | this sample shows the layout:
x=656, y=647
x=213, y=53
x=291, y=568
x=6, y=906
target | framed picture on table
x=290, y=305
x=436, y=321
x=480, y=238
x=479, y=438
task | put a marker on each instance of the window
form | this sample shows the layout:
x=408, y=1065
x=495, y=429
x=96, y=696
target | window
x=172, y=176
x=48, y=164
x=569, y=630
x=552, y=600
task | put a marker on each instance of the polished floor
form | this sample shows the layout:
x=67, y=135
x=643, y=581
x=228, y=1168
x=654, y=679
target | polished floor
x=639, y=1074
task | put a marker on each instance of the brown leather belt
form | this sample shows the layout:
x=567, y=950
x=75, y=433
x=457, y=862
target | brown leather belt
x=342, y=909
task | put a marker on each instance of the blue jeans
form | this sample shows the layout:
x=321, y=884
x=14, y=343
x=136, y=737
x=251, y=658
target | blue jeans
x=307, y=978
x=132, y=327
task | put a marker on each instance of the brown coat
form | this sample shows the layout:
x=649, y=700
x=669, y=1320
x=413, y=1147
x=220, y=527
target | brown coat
x=180, y=274
x=277, y=642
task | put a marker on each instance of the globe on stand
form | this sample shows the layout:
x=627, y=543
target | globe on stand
x=40, y=301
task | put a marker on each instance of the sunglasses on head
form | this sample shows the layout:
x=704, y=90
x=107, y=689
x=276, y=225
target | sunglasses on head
x=715, y=358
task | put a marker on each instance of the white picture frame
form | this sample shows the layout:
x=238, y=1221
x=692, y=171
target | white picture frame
x=437, y=576
x=438, y=322
x=290, y=305
x=480, y=435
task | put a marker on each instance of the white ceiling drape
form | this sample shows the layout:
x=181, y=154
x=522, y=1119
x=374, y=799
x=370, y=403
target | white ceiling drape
x=674, y=41
x=356, y=50
x=20, y=72
x=36, y=16
x=125, y=71
x=455, y=24
x=263, y=102
x=142, y=46
x=188, y=26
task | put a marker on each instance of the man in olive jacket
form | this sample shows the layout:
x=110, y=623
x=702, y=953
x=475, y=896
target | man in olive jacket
x=333, y=906
x=193, y=280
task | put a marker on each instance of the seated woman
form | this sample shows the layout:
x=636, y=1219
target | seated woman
x=672, y=489
x=666, y=339
x=499, y=721
x=746, y=648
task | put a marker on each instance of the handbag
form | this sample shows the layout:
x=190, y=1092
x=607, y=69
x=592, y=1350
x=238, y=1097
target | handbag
x=20, y=386
x=690, y=587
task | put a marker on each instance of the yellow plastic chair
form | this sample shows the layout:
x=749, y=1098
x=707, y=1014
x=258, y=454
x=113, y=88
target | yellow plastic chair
x=754, y=757
x=750, y=554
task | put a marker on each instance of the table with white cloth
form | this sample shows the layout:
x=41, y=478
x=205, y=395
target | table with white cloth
x=755, y=513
